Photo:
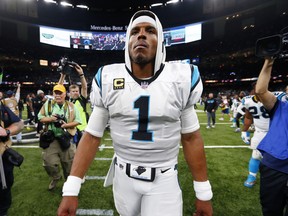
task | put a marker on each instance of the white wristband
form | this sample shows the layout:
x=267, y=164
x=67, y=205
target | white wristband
x=72, y=186
x=203, y=190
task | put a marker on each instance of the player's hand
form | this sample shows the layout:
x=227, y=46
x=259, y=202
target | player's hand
x=203, y=208
x=245, y=135
x=68, y=206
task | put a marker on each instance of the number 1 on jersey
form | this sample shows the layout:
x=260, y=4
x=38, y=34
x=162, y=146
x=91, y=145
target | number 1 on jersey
x=142, y=104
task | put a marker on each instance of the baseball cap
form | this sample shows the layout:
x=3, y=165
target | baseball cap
x=9, y=92
x=40, y=92
x=59, y=87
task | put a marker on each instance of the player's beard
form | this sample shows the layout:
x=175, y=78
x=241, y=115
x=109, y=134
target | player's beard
x=142, y=60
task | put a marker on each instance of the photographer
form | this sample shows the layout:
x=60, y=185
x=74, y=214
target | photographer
x=11, y=101
x=37, y=103
x=79, y=99
x=10, y=125
x=61, y=118
x=273, y=147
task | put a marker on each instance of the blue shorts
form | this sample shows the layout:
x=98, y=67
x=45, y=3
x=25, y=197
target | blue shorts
x=226, y=111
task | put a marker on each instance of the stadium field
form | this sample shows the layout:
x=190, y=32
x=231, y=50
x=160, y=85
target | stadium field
x=227, y=158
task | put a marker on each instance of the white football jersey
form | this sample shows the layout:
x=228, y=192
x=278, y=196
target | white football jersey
x=147, y=116
x=235, y=104
x=260, y=116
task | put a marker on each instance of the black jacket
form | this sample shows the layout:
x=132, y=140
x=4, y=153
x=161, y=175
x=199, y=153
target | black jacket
x=210, y=104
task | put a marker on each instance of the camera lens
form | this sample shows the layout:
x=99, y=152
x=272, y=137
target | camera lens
x=269, y=46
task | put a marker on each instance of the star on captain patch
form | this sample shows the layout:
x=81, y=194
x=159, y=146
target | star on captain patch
x=144, y=85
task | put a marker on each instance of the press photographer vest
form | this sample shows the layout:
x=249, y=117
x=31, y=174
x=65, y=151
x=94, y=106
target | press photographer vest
x=12, y=104
x=68, y=106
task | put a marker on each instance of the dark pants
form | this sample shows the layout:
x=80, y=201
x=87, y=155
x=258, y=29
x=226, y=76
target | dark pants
x=238, y=116
x=210, y=115
x=77, y=137
x=273, y=192
x=39, y=127
x=5, y=194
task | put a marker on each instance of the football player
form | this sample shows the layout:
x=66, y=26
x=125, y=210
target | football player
x=236, y=104
x=225, y=108
x=150, y=106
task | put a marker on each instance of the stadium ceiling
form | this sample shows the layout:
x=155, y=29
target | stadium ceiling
x=118, y=12
x=117, y=5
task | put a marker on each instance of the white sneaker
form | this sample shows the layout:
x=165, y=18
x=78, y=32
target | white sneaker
x=208, y=127
x=221, y=119
x=213, y=126
x=237, y=130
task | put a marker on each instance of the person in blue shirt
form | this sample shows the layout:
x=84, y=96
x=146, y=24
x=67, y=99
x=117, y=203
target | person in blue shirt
x=274, y=148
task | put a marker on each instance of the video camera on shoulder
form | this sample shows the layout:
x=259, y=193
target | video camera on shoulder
x=275, y=46
x=65, y=66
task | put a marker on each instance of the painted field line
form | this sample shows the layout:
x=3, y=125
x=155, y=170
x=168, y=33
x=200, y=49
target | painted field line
x=32, y=140
x=108, y=139
x=199, y=111
x=220, y=123
x=102, y=212
x=95, y=177
x=242, y=146
x=103, y=159
x=25, y=146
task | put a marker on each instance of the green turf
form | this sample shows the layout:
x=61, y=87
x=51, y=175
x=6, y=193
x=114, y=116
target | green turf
x=227, y=169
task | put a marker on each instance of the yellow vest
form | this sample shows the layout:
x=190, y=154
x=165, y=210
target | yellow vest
x=82, y=113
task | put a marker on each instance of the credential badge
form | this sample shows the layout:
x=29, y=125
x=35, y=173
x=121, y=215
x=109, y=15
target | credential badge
x=118, y=83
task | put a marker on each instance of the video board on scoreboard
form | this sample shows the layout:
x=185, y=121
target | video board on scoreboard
x=112, y=40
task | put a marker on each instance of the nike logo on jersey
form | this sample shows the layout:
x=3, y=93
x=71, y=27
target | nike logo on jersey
x=163, y=171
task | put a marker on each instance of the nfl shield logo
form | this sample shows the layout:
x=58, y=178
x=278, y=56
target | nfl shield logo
x=144, y=84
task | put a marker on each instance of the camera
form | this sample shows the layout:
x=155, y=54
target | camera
x=65, y=66
x=273, y=46
x=59, y=121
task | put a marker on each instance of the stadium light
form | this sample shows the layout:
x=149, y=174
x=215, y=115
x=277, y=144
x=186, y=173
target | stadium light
x=82, y=6
x=172, y=2
x=66, y=4
x=156, y=5
x=51, y=1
